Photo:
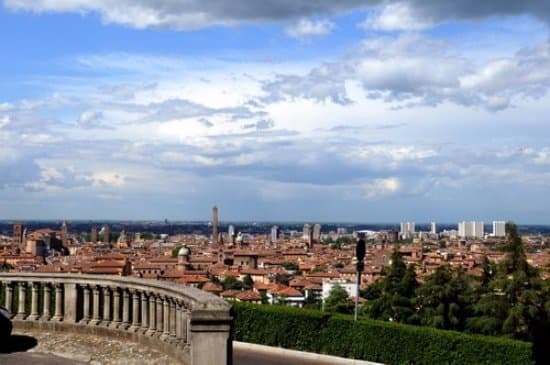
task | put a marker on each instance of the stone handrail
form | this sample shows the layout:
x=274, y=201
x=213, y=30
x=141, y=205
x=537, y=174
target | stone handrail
x=194, y=324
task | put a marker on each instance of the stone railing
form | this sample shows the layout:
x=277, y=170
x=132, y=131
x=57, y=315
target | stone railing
x=193, y=325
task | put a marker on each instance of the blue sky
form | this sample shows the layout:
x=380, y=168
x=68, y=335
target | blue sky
x=356, y=110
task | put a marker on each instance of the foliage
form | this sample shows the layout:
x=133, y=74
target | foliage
x=4, y=266
x=338, y=301
x=248, y=283
x=389, y=343
x=232, y=283
x=290, y=266
x=175, y=251
x=395, y=301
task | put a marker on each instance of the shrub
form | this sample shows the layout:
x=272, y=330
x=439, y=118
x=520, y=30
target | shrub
x=389, y=343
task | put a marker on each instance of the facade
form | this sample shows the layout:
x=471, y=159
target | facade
x=472, y=229
x=274, y=234
x=499, y=228
x=317, y=233
x=215, y=226
x=351, y=288
x=433, y=228
x=407, y=230
x=106, y=234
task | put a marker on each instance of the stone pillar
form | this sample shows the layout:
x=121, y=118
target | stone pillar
x=116, y=307
x=95, y=311
x=166, y=319
x=34, y=302
x=70, y=303
x=172, y=319
x=135, y=310
x=58, y=316
x=152, y=315
x=179, y=322
x=86, y=305
x=21, y=311
x=211, y=329
x=159, y=315
x=47, y=312
x=125, y=309
x=9, y=298
x=144, y=312
x=106, y=306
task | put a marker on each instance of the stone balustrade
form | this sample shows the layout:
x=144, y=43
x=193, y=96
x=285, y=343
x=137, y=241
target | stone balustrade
x=195, y=326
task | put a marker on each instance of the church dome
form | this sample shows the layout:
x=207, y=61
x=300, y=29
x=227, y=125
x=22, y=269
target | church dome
x=184, y=251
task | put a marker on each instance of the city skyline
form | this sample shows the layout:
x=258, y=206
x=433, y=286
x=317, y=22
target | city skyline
x=358, y=111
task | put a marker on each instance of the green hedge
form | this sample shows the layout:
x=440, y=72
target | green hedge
x=389, y=343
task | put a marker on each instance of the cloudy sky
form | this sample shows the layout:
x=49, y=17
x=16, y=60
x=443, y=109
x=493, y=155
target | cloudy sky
x=350, y=110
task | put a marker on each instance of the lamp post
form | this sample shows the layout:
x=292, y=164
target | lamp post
x=360, y=256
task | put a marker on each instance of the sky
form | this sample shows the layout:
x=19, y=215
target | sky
x=347, y=111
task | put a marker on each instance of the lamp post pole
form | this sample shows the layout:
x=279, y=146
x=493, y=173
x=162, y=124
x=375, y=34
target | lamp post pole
x=360, y=256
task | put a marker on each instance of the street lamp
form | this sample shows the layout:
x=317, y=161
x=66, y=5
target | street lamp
x=360, y=256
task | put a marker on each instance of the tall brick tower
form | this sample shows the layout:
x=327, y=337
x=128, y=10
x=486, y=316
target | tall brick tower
x=93, y=235
x=215, y=226
x=64, y=234
x=18, y=234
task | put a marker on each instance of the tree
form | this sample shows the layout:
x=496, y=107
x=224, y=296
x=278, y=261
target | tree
x=248, y=283
x=232, y=283
x=338, y=301
x=397, y=290
x=290, y=266
x=5, y=266
x=513, y=305
x=442, y=301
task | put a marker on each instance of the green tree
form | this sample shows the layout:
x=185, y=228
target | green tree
x=290, y=266
x=514, y=302
x=248, y=283
x=443, y=301
x=397, y=290
x=338, y=301
x=232, y=283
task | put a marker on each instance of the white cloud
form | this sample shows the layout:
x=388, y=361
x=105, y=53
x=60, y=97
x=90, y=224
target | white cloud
x=379, y=188
x=305, y=28
x=397, y=16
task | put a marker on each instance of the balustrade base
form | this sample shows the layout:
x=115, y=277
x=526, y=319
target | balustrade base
x=181, y=353
x=94, y=322
x=33, y=317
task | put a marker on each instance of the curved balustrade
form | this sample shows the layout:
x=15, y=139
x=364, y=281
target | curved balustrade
x=195, y=325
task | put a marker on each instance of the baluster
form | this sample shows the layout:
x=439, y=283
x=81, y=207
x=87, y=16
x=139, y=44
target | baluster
x=86, y=305
x=125, y=309
x=21, y=310
x=144, y=312
x=47, y=311
x=179, y=320
x=58, y=316
x=159, y=315
x=34, y=302
x=116, y=307
x=9, y=298
x=166, y=319
x=135, y=310
x=172, y=319
x=95, y=308
x=152, y=315
x=106, y=306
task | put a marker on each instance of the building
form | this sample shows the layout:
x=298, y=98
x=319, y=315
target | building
x=215, y=226
x=472, y=229
x=64, y=234
x=93, y=235
x=18, y=234
x=433, y=228
x=499, y=228
x=274, y=234
x=407, y=230
x=349, y=287
x=317, y=233
x=106, y=234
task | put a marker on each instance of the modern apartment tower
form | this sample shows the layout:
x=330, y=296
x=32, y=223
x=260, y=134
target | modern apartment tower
x=499, y=228
x=93, y=235
x=473, y=229
x=433, y=228
x=106, y=234
x=215, y=226
x=64, y=234
x=407, y=230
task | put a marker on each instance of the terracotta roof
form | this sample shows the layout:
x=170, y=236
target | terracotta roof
x=248, y=296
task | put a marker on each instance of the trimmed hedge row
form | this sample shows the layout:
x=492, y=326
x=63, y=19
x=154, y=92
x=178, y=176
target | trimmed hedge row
x=389, y=343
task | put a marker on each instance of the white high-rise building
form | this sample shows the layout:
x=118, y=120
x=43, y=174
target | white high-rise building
x=473, y=229
x=231, y=230
x=499, y=228
x=407, y=229
x=274, y=234
x=433, y=228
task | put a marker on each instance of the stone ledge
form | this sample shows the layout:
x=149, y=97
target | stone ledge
x=180, y=356
x=306, y=356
